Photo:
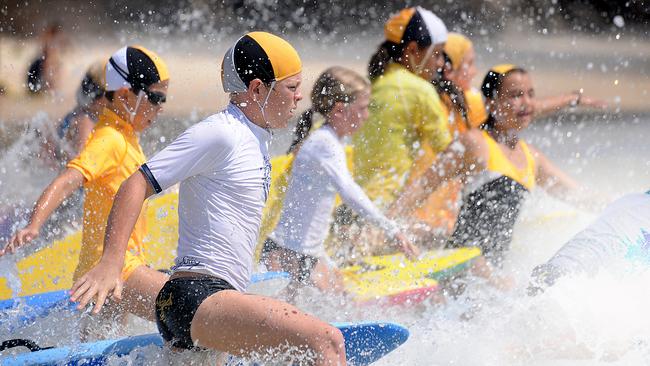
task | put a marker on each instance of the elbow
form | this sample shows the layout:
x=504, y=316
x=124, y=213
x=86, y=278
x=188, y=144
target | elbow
x=135, y=186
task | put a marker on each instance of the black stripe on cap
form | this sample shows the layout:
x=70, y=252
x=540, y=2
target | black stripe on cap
x=252, y=62
x=416, y=30
x=142, y=70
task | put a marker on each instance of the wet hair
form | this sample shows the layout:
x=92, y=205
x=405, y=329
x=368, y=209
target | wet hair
x=408, y=25
x=92, y=86
x=391, y=52
x=336, y=84
x=452, y=91
x=491, y=87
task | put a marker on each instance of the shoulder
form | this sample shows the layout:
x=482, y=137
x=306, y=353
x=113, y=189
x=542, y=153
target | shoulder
x=473, y=143
x=398, y=79
x=475, y=107
x=542, y=163
x=473, y=97
x=217, y=129
x=419, y=88
x=322, y=141
x=108, y=136
x=472, y=137
x=320, y=147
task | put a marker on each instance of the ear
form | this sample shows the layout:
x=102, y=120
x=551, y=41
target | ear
x=411, y=49
x=254, y=88
x=449, y=73
x=338, y=107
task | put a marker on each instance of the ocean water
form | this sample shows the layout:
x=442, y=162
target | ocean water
x=582, y=320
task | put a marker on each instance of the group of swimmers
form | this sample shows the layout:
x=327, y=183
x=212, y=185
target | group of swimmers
x=419, y=132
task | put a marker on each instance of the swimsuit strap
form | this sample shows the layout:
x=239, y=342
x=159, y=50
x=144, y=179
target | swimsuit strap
x=530, y=174
x=498, y=162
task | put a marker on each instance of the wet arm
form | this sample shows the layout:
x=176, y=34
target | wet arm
x=452, y=162
x=561, y=185
x=85, y=126
x=60, y=189
x=356, y=198
x=123, y=217
x=556, y=103
x=552, y=178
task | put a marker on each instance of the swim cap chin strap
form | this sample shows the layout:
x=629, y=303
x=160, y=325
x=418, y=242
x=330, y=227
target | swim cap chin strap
x=263, y=106
x=132, y=113
x=419, y=68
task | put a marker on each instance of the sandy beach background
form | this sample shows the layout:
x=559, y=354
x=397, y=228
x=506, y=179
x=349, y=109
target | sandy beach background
x=612, y=65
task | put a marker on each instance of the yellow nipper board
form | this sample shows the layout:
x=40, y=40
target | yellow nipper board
x=52, y=267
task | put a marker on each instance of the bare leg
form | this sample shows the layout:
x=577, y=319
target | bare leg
x=140, y=292
x=238, y=323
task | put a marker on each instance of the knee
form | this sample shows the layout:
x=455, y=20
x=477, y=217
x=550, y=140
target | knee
x=333, y=344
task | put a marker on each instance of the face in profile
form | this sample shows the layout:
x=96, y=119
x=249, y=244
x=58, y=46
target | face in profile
x=514, y=103
x=148, y=110
x=466, y=71
x=283, y=101
x=356, y=113
x=429, y=61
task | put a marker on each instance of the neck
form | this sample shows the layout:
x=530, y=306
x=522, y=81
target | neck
x=509, y=138
x=404, y=62
x=117, y=108
x=335, y=125
x=251, y=110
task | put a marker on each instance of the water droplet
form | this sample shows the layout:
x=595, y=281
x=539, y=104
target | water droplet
x=619, y=21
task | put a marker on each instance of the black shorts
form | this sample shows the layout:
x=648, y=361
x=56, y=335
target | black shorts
x=297, y=264
x=178, y=301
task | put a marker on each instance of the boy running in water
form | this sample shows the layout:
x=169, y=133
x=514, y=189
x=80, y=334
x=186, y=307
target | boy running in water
x=223, y=167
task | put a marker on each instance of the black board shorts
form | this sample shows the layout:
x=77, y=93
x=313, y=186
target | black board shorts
x=178, y=301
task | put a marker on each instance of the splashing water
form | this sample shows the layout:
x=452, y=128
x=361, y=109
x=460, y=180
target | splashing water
x=580, y=321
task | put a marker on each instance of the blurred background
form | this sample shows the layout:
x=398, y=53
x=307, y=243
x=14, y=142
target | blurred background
x=601, y=46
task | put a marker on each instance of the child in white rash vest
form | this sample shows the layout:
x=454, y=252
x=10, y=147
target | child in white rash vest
x=223, y=167
x=320, y=172
x=621, y=232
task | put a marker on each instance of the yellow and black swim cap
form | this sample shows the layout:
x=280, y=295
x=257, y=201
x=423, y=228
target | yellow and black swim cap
x=136, y=68
x=415, y=24
x=456, y=47
x=494, y=77
x=258, y=55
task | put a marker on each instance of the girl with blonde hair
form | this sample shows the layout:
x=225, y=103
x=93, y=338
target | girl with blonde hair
x=319, y=172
